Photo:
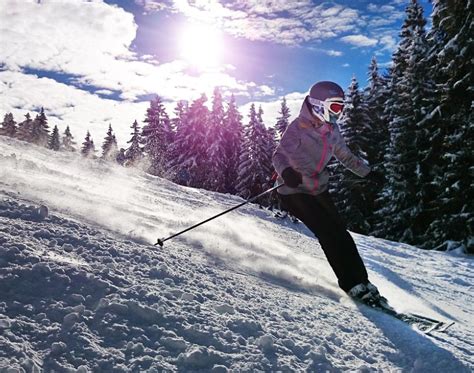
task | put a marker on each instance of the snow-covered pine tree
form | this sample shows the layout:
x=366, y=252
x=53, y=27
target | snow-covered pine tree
x=245, y=180
x=375, y=95
x=428, y=136
x=68, y=143
x=354, y=197
x=25, y=129
x=88, y=147
x=54, y=143
x=254, y=170
x=157, y=137
x=271, y=143
x=8, y=126
x=40, y=130
x=189, y=150
x=265, y=148
x=399, y=197
x=216, y=154
x=179, y=115
x=233, y=134
x=178, y=123
x=134, y=153
x=451, y=55
x=284, y=119
x=109, y=146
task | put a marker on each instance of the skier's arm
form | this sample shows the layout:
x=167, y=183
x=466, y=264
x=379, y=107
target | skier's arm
x=282, y=155
x=348, y=159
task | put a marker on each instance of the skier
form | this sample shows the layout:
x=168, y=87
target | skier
x=300, y=159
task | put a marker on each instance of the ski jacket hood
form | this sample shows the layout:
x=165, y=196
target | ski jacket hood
x=308, y=145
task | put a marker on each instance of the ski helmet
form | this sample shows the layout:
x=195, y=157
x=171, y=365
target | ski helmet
x=326, y=100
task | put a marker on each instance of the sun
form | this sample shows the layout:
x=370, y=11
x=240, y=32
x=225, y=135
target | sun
x=201, y=45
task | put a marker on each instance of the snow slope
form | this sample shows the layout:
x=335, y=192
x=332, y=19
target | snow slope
x=86, y=290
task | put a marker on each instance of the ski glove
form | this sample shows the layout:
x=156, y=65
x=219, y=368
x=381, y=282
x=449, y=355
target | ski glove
x=291, y=177
x=376, y=177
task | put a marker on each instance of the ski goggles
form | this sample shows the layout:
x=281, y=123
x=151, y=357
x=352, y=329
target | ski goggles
x=334, y=105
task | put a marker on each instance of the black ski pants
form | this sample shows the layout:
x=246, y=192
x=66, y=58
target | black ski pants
x=320, y=215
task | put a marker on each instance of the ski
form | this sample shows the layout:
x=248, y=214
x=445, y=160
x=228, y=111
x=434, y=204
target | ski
x=422, y=323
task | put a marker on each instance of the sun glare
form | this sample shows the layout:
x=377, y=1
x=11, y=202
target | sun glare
x=201, y=45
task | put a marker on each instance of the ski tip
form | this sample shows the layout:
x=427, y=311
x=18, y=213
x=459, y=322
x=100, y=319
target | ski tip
x=439, y=327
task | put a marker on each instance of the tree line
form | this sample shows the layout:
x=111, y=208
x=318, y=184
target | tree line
x=197, y=147
x=412, y=123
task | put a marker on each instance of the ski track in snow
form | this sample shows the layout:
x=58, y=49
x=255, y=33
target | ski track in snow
x=86, y=290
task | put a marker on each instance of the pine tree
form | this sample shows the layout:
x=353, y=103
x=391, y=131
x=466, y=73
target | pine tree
x=157, y=137
x=8, y=126
x=270, y=147
x=88, y=147
x=254, y=169
x=375, y=97
x=245, y=186
x=264, y=148
x=25, y=129
x=376, y=94
x=233, y=134
x=399, y=197
x=53, y=142
x=178, y=123
x=216, y=154
x=109, y=146
x=451, y=57
x=68, y=141
x=40, y=130
x=189, y=150
x=428, y=137
x=283, y=120
x=355, y=198
x=134, y=152
x=179, y=115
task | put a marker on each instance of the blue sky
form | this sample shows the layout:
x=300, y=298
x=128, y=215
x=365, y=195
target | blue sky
x=94, y=63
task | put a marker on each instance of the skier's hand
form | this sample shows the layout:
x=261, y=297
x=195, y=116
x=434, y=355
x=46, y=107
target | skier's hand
x=291, y=177
x=376, y=177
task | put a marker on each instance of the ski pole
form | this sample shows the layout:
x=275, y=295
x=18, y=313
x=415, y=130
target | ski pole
x=160, y=241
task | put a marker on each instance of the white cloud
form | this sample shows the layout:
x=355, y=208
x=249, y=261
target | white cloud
x=72, y=36
x=385, y=9
x=65, y=105
x=359, y=40
x=91, y=41
x=400, y=2
x=153, y=5
x=332, y=52
x=278, y=21
x=104, y=92
x=271, y=109
x=389, y=42
x=329, y=52
x=266, y=90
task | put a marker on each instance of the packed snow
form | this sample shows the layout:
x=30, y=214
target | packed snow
x=83, y=288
